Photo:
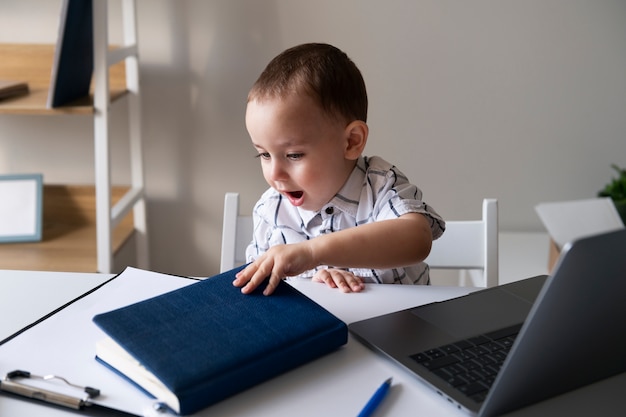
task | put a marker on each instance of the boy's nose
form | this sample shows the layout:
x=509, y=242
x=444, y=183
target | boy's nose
x=277, y=171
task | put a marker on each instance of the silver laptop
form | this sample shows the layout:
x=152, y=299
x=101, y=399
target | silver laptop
x=502, y=348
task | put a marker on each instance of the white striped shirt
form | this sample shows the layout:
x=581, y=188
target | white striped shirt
x=375, y=190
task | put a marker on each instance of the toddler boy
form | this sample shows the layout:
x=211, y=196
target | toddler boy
x=330, y=213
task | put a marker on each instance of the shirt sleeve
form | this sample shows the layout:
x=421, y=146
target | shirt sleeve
x=260, y=242
x=393, y=196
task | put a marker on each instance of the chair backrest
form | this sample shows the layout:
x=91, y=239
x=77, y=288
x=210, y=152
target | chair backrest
x=236, y=234
x=471, y=245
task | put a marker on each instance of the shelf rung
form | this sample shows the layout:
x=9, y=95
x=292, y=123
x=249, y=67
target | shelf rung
x=125, y=205
x=116, y=55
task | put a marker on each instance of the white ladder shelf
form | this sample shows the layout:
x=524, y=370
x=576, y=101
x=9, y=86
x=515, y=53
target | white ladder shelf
x=108, y=217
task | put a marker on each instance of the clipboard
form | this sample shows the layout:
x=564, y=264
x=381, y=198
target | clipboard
x=12, y=383
x=62, y=344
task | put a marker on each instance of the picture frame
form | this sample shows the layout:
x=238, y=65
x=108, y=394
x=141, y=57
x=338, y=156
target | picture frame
x=21, y=208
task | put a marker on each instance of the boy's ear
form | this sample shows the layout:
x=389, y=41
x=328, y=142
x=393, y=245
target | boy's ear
x=356, y=139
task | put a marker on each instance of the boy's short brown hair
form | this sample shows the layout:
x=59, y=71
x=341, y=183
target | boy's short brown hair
x=322, y=71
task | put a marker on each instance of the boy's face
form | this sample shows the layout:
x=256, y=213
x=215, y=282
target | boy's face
x=302, y=150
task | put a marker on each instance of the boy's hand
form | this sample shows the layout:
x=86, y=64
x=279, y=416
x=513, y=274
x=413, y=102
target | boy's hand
x=346, y=281
x=289, y=260
x=277, y=263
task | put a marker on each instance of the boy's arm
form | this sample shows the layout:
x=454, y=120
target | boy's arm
x=380, y=245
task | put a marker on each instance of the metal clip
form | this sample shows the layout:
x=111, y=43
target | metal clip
x=10, y=384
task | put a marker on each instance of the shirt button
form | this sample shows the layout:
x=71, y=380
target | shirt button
x=329, y=210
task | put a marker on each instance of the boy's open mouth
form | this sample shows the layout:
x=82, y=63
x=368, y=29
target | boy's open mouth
x=295, y=197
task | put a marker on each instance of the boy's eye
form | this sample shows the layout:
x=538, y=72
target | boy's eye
x=295, y=156
x=263, y=155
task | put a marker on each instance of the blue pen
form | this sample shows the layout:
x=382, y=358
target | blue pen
x=376, y=399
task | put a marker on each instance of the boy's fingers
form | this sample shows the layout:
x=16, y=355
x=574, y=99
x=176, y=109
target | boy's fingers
x=327, y=278
x=356, y=284
x=347, y=282
x=273, y=282
x=261, y=273
x=244, y=275
x=254, y=282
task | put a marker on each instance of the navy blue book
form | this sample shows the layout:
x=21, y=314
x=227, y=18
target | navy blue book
x=197, y=345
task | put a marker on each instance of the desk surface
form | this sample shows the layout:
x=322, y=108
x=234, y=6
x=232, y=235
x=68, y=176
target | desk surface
x=337, y=384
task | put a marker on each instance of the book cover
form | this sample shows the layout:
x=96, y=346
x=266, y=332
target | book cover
x=195, y=346
x=72, y=67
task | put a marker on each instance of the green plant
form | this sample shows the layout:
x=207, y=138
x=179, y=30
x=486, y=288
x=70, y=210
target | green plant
x=616, y=189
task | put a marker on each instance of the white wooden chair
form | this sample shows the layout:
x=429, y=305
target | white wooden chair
x=471, y=247
x=236, y=234
x=465, y=245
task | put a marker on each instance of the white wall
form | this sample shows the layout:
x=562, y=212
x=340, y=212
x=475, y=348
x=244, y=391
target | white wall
x=520, y=100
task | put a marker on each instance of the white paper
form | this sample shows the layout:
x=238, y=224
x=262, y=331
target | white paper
x=65, y=343
x=566, y=221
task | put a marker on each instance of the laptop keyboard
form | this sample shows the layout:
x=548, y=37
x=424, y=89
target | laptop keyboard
x=470, y=365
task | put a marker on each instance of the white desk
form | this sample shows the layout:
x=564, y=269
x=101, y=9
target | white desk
x=337, y=384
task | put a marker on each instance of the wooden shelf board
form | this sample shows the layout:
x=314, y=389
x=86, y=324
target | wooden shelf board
x=32, y=63
x=69, y=233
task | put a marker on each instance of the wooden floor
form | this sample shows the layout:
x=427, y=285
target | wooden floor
x=69, y=233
